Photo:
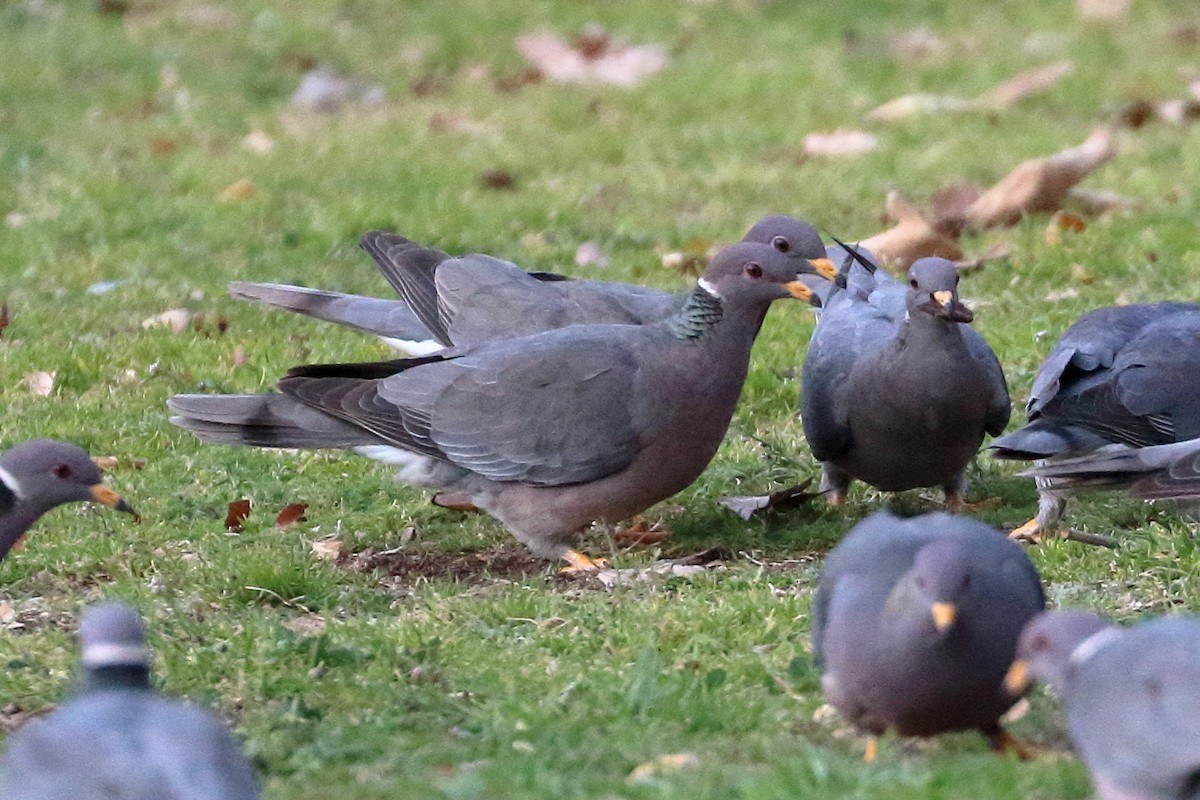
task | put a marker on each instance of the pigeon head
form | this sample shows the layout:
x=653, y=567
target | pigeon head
x=940, y=579
x=112, y=636
x=45, y=473
x=754, y=274
x=1050, y=643
x=933, y=290
x=793, y=238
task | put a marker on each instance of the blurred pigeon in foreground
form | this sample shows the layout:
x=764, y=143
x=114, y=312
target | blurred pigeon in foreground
x=1131, y=695
x=915, y=623
x=475, y=298
x=898, y=391
x=547, y=433
x=40, y=474
x=1124, y=376
x=119, y=740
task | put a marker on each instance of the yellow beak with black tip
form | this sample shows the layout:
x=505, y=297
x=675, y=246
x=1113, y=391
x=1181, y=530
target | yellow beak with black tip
x=944, y=615
x=106, y=496
x=798, y=290
x=1016, y=680
x=824, y=267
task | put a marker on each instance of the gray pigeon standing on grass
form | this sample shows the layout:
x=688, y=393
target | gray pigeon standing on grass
x=1120, y=378
x=547, y=433
x=915, y=623
x=1131, y=696
x=897, y=389
x=41, y=474
x=475, y=298
x=116, y=739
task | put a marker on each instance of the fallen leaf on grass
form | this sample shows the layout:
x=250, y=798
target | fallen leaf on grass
x=327, y=549
x=160, y=146
x=670, y=762
x=1098, y=201
x=3, y=317
x=1102, y=10
x=109, y=463
x=1000, y=251
x=791, y=497
x=1040, y=184
x=589, y=254
x=306, y=624
x=1063, y=222
x=321, y=90
x=257, y=141
x=237, y=191
x=1079, y=274
x=293, y=512
x=40, y=382
x=912, y=105
x=594, y=57
x=238, y=511
x=641, y=533
x=1058, y=295
x=842, y=143
x=911, y=238
x=500, y=179
x=174, y=319
x=1025, y=83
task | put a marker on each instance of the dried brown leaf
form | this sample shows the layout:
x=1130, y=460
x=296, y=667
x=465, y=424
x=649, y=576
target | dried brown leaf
x=948, y=206
x=911, y=238
x=667, y=763
x=237, y=191
x=258, y=141
x=1000, y=251
x=174, y=319
x=109, y=463
x=1099, y=201
x=1079, y=274
x=327, y=549
x=1102, y=10
x=1025, y=83
x=641, y=533
x=920, y=104
x=293, y=512
x=306, y=624
x=842, y=143
x=593, y=58
x=1040, y=184
x=4, y=319
x=160, y=146
x=238, y=511
x=500, y=179
x=40, y=382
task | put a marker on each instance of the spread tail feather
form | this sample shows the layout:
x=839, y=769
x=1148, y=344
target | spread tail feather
x=1163, y=472
x=1039, y=440
x=263, y=420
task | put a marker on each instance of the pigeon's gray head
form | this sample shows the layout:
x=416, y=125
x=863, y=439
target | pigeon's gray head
x=933, y=290
x=796, y=239
x=112, y=636
x=755, y=274
x=941, y=578
x=45, y=473
x=1049, y=644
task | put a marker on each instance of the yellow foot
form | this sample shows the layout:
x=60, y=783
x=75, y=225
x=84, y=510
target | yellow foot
x=955, y=504
x=1005, y=743
x=1029, y=532
x=872, y=750
x=578, y=562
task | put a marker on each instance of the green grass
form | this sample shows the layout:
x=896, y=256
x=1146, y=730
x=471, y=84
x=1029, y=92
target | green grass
x=514, y=683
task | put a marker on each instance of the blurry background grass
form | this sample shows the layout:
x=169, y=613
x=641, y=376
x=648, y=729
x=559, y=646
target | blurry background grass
x=118, y=134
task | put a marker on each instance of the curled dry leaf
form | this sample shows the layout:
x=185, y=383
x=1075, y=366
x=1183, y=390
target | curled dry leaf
x=237, y=191
x=911, y=238
x=1063, y=222
x=174, y=319
x=1079, y=274
x=500, y=179
x=40, y=382
x=670, y=762
x=1025, y=83
x=593, y=58
x=1040, y=184
x=257, y=141
x=236, y=515
x=1099, y=201
x=327, y=549
x=842, y=143
x=293, y=512
x=912, y=105
x=4, y=319
x=641, y=533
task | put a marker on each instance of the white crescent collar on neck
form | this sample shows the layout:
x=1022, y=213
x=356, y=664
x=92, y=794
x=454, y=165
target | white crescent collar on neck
x=1093, y=644
x=10, y=482
x=114, y=654
x=708, y=287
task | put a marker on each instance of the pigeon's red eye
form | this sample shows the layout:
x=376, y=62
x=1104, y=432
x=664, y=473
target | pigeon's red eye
x=753, y=270
x=781, y=244
x=62, y=471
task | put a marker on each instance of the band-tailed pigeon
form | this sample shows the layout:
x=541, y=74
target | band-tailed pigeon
x=897, y=390
x=1131, y=696
x=548, y=433
x=475, y=298
x=116, y=739
x=40, y=474
x=915, y=623
x=1125, y=375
